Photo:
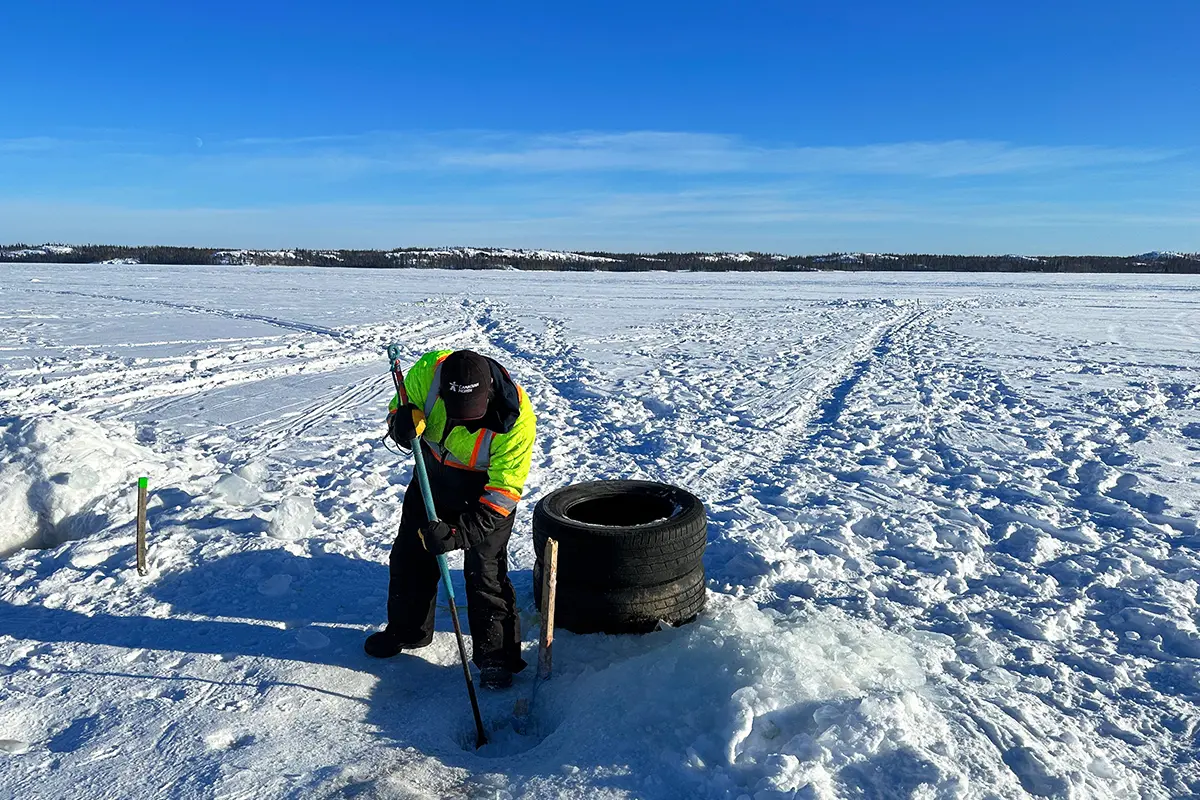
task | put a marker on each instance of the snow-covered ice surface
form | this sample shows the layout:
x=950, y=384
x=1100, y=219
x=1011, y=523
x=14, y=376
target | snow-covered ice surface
x=953, y=534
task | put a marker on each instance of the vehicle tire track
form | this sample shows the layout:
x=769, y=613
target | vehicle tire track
x=291, y=325
x=278, y=433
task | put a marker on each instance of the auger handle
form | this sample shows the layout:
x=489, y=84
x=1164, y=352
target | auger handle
x=394, y=354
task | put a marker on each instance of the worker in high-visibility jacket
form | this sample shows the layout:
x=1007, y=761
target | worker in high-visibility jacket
x=477, y=429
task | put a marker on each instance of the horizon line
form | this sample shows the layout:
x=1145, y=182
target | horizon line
x=7, y=251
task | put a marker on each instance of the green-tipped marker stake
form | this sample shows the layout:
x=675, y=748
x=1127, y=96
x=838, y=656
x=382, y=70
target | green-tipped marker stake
x=141, y=527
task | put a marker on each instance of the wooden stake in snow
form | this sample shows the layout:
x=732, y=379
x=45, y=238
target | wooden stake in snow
x=523, y=709
x=141, y=527
x=549, y=586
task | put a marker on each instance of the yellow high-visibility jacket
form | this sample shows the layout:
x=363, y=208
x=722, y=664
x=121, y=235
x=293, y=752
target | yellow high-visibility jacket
x=505, y=454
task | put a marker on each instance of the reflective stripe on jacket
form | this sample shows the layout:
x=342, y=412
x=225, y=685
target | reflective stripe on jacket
x=504, y=455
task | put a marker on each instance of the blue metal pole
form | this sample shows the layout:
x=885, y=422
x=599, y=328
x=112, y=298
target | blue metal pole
x=394, y=354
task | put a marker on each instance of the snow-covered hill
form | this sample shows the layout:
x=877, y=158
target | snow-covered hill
x=952, y=548
x=1156, y=255
x=499, y=253
x=33, y=252
x=853, y=258
x=544, y=260
x=252, y=258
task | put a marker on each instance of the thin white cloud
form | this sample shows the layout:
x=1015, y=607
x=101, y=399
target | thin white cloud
x=29, y=144
x=259, y=141
x=689, y=153
x=738, y=220
x=663, y=152
x=649, y=151
x=640, y=151
x=620, y=191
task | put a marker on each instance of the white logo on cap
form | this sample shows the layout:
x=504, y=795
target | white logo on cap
x=463, y=388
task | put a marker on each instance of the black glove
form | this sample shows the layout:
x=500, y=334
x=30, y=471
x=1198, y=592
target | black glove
x=405, y=424
x=477, y=525
x=439, y=537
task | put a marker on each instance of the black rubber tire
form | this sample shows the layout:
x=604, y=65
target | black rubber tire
x=632, y=609
x=608, y=556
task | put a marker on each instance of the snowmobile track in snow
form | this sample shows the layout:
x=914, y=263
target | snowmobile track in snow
x=290, y=325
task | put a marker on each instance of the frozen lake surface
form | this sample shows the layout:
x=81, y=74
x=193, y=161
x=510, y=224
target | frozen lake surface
x=952, y=546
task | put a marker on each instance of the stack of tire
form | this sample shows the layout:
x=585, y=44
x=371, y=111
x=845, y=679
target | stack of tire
x=629, y=555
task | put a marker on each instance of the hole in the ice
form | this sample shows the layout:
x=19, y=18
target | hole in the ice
x=623, y=510
x=507, y=736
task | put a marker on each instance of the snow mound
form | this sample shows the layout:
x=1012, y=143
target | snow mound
x=14, y=747
x=293, y=519
x=64, y=477
x=236, y=490
x=754, y=702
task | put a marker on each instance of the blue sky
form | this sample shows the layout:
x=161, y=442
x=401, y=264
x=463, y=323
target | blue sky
x=797, y=127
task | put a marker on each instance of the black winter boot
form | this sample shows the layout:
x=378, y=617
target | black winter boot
x=385, y=645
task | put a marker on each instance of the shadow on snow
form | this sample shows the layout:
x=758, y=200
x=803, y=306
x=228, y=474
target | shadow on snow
x=266, y=601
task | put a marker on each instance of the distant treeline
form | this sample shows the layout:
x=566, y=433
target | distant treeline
x=470, y=258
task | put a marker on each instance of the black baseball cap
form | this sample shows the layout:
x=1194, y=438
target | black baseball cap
x=466, y=384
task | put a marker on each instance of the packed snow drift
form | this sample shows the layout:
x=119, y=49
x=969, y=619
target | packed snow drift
x=952, y=534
